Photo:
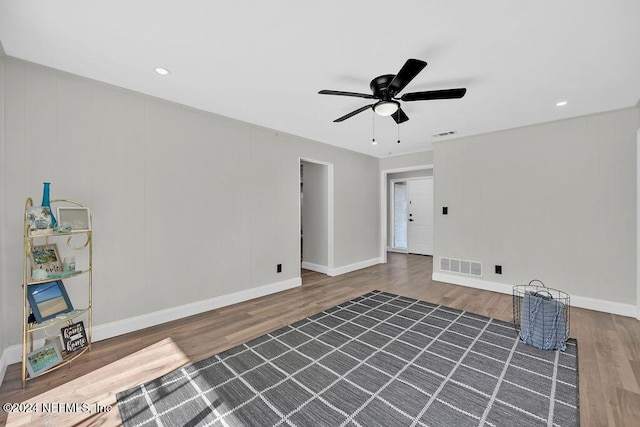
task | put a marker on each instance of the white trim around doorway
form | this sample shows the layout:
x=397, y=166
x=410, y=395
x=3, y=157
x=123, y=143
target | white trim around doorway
x=638, y=225
x=330, y=214
x=383, y=204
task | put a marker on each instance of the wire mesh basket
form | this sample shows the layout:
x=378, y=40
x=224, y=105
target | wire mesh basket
x=541, y=315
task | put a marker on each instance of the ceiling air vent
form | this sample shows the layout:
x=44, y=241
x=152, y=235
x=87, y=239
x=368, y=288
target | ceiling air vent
x=441, y=134
x=472, y=268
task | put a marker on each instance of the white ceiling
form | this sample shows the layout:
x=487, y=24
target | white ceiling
x=264, y=61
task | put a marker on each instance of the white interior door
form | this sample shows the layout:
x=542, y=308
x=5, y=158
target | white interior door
x=420, y=216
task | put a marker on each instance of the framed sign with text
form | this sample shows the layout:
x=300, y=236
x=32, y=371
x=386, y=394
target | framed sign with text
x=74, y=337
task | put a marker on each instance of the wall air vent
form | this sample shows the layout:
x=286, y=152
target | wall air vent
x=471, y=268
x=441, y=134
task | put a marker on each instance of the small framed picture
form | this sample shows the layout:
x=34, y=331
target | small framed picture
x=39, y=217
x=46, y=257
x=48, y=300
x=42, y=359
x=78, y=217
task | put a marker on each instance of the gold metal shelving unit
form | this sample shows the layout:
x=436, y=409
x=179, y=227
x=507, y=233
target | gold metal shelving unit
x=47, y=237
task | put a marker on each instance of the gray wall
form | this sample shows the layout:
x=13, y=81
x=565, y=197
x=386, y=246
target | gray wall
x=4, y=304
x=315, y=218
x=555, y=202
x=187, y=205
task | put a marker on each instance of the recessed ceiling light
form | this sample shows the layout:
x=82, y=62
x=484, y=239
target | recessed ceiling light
x=162, y=71
x=561, y=103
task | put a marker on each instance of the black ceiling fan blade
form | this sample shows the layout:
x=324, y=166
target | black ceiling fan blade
x=434, y=94
x=337, y=92
x=409, y=70
x=399, y=116
x=353, y=113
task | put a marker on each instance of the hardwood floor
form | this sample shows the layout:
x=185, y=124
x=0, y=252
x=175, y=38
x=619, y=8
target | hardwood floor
x=609, y=345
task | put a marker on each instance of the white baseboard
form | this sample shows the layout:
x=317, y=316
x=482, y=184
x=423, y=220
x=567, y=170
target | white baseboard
x=340, y=270
x=315, y=267
x=471, y=282
x=576, y=301
x=397, y=250
x=353, y=267
x=125, y=326
x=603, y=305
x=3, y=364
x=13, y=354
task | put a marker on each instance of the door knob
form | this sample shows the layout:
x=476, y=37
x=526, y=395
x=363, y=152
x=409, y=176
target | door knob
x=410, y=219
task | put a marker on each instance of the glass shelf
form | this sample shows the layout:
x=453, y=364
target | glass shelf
x=64, y=318
x=58, y=276
x=51, y=233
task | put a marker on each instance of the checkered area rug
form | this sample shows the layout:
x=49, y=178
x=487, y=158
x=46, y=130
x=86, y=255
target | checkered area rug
x=377, y=360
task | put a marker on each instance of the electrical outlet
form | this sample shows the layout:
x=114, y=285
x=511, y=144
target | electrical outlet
x=498, y=269
x=279, y=268
x=445, y=210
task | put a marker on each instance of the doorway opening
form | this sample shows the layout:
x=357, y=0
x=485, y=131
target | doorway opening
x=406, y=222
x=316, y=217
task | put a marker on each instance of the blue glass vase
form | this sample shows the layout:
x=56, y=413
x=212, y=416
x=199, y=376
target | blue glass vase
x=46, y=202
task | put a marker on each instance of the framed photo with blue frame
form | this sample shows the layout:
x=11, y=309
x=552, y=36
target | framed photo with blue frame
x=48, y=300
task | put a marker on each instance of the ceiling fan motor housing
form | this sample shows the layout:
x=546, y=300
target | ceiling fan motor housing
x=379, y=87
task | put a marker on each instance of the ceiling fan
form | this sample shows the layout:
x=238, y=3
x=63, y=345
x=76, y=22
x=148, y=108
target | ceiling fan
x=386, y=87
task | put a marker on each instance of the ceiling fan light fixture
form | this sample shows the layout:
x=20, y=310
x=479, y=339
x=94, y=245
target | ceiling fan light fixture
x=386, y=108
x=385, y=90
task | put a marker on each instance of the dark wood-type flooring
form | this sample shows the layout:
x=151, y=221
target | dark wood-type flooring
x=609, y=345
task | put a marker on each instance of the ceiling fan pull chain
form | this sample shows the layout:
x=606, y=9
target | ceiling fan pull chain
x=373, y=128
x=398, y=133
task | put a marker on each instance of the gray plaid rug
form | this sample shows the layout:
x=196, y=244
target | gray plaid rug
x=377, y=360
